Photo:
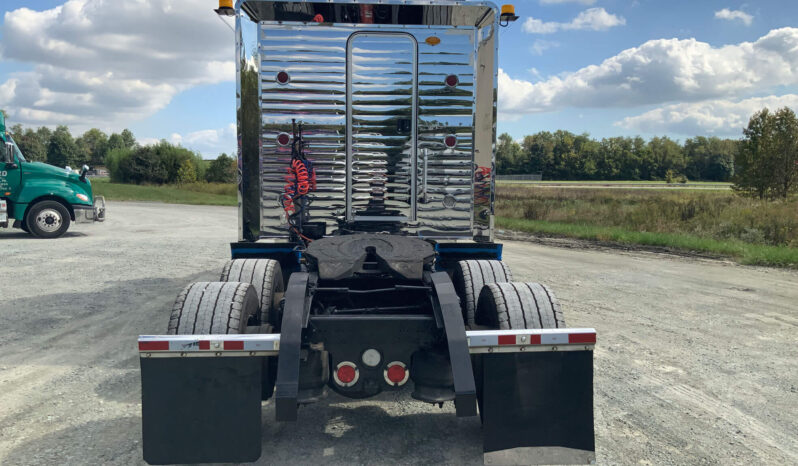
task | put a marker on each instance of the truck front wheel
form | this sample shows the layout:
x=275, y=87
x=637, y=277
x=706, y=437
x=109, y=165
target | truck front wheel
x=48, y=219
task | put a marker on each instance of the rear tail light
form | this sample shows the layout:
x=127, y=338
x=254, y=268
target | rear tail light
x=450, y=141
x=396, y=374
x=346, y=374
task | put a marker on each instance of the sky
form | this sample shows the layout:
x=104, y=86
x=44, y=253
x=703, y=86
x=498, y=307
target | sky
x=165, y=69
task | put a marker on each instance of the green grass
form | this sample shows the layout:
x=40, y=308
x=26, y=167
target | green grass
x=195, y=193
x=714, y=222
x=752, y=254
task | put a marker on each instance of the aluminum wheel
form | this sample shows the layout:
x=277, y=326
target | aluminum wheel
x=49, y=220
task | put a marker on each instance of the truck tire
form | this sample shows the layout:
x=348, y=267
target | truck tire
x=506, y=306
x=213, y=308
x=47, y=219
x=266, y=276
x=469, y=278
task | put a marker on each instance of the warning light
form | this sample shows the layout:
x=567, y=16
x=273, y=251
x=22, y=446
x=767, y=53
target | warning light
x=450, y=141
x=318, y=18
x=225, y=8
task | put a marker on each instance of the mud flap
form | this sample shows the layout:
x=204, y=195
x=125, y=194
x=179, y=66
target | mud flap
x=537, y=408
x=201, y=410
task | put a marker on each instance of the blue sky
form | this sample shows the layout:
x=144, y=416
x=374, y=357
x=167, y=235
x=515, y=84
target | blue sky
x=605, y=67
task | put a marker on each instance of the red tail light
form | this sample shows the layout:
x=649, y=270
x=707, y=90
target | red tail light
x=346, y=374
x=450, y=141
x=396, y=373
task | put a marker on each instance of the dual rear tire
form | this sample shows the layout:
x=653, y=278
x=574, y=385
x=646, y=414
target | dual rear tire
x=246, y=294
x=490, y=298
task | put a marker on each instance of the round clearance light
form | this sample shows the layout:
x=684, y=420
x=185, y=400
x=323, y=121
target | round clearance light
x=283, y=77
x=452, y=80
x=371, y=357
x=450, y=141
x=396, y=374
x=449, y=201
x=283, y=139
x=346, y=374
x=433, y=40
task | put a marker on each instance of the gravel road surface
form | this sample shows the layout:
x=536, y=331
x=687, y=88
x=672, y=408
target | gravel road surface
x=696, y=361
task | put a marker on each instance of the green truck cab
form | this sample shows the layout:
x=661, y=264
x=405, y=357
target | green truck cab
x=40, y=198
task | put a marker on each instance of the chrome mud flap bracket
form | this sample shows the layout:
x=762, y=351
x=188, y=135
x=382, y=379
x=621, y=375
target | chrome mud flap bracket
x=536, y=404
x=201, y=397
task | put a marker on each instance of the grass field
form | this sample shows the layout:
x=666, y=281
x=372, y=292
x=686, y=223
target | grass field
x=715, y=222
x=195, y=193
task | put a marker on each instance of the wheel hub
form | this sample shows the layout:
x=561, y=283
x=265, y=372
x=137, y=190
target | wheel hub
x=49, y=220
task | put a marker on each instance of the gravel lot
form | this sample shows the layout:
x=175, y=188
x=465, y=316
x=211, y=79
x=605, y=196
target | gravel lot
x=696, y=361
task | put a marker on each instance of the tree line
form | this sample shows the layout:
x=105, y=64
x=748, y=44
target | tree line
x=763, y=164
x=562, y=155
x=127, y=161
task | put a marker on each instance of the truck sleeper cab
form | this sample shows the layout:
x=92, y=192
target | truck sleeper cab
x=365, y=260
x=41, y=199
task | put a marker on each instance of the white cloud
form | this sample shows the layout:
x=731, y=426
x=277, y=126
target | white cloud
x=209, y=142
x=719, y=117
x=592, y=19
x=104, y=63
x=732, y=15
x=662, y=71
x=557, y=2
x=540, y=46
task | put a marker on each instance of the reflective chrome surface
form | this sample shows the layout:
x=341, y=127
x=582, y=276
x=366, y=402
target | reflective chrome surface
x=249, y=128
x=399, y=169
x=382, y=111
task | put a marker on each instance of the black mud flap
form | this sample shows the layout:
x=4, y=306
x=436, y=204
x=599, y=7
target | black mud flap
x=201, y=410
x=537, y=407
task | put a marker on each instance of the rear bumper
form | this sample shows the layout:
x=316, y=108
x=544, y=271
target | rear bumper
x=90, y=214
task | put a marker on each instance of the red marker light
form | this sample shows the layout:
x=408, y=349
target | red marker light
x=396, y=373
x=283, y=139
x=452, y=80
x=283, y=77
x=450, y=141
x=346, y=374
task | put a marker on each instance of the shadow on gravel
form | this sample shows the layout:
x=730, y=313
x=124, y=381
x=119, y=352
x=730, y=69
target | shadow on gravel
x=397, y=431
x=19, y=234
x=108, y=442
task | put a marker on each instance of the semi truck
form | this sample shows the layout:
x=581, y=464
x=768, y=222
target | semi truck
x=41, y=199
x=366, y=260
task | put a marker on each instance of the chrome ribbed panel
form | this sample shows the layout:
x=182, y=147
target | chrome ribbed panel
x=315, y=58
x=382, y=109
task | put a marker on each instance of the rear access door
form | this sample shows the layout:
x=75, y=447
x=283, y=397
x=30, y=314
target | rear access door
x=382, y=114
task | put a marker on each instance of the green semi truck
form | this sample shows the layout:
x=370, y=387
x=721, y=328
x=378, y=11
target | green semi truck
x=42, y=199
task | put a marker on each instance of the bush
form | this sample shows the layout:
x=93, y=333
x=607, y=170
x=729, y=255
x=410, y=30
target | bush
x=222, y=170
x=157, y=164
x=187, y=173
